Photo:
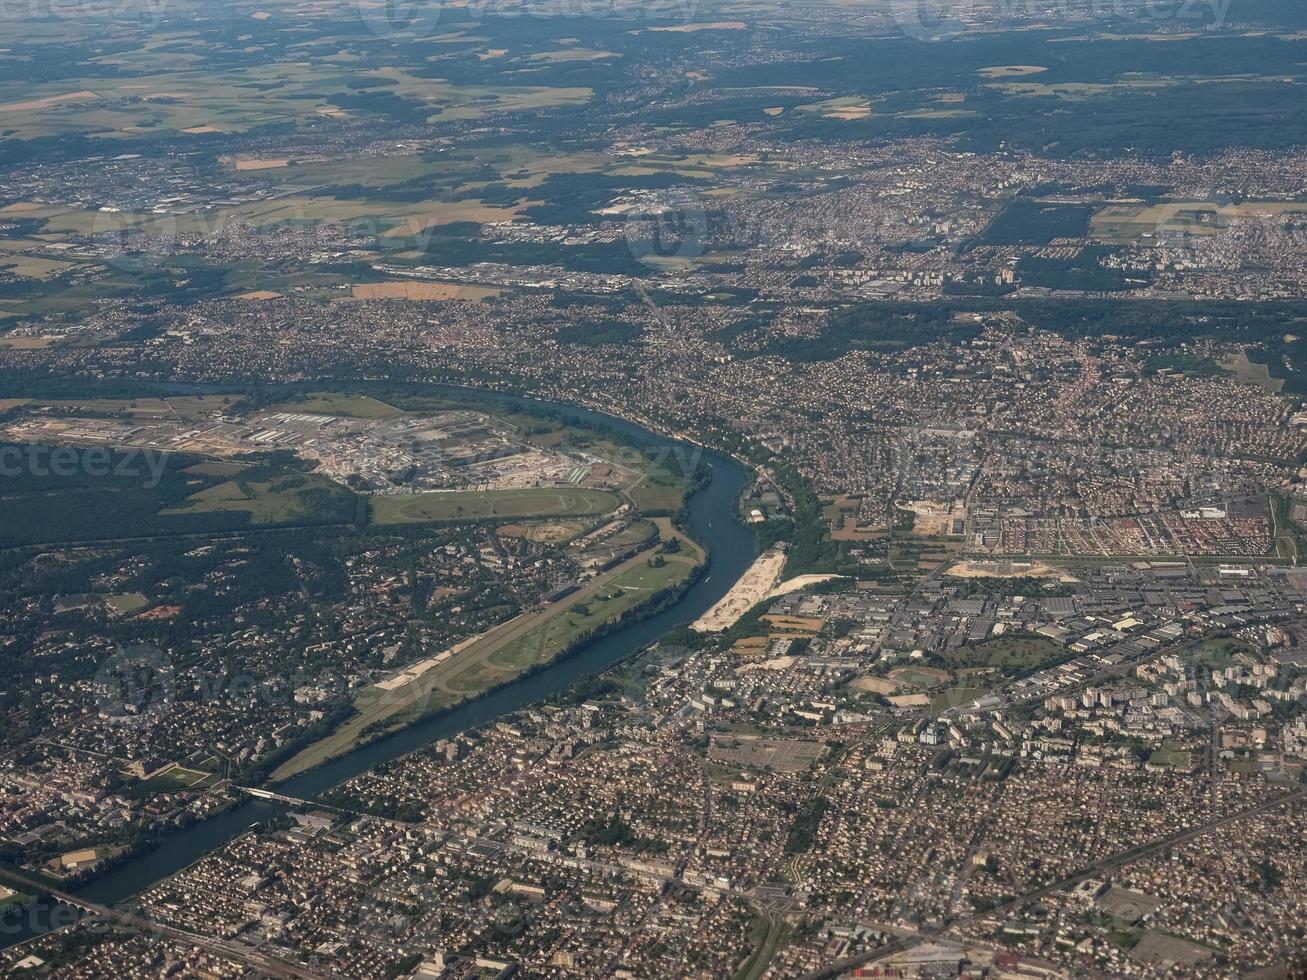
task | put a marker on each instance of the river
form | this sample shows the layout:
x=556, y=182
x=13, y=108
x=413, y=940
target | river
x=714, y=523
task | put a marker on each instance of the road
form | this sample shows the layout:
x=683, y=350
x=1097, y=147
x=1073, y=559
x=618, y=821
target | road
x=1089, y=871
x=254, y=959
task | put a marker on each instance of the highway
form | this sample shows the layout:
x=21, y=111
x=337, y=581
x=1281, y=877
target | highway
x=254, y=959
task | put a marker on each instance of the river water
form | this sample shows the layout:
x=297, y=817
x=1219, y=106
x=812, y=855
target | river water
x=714, y=522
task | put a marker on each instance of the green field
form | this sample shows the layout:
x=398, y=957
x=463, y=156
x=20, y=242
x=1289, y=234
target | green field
x=658, y=497
x=638, y=533
x=215, y=467
x=127, y=602
x=476, y=504
x=766, y=935
x=282, y=500
x=331, y=403
x=629, y=589
x=173, y=781
x=183, y=407
x=954, y=697
x=1257, y=374
x=917, y=678
x=1008, y=653
x=1172, y=755
x=1218, y=652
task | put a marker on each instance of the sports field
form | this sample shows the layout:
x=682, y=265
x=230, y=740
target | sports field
x=472, y=504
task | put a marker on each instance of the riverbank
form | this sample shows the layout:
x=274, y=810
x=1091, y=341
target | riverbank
x=524, y=643
x=752, y=587
x=711, y=519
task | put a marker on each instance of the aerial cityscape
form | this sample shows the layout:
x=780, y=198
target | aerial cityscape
x=712, y=489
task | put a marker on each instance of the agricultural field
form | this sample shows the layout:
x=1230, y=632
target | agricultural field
x=1127, y=224
x=178, y=93
x=422, y=292
x=182, y=407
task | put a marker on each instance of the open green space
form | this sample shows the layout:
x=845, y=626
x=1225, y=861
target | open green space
x=639, y=532
x=179, y=407
x=214, y=467
x=656, y=496
x=1012, y=654
x=138, y=496
x=1218, y=652
x=954, y=697
x=127, y=602
x=288, y=499
x=477, y=504
x=1290, y=539
x=337, y=403
x=173, y=780
x=917, y=678
x=1257, y=374
x=1172, y=756
x=626, y=591
x=766, y=935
